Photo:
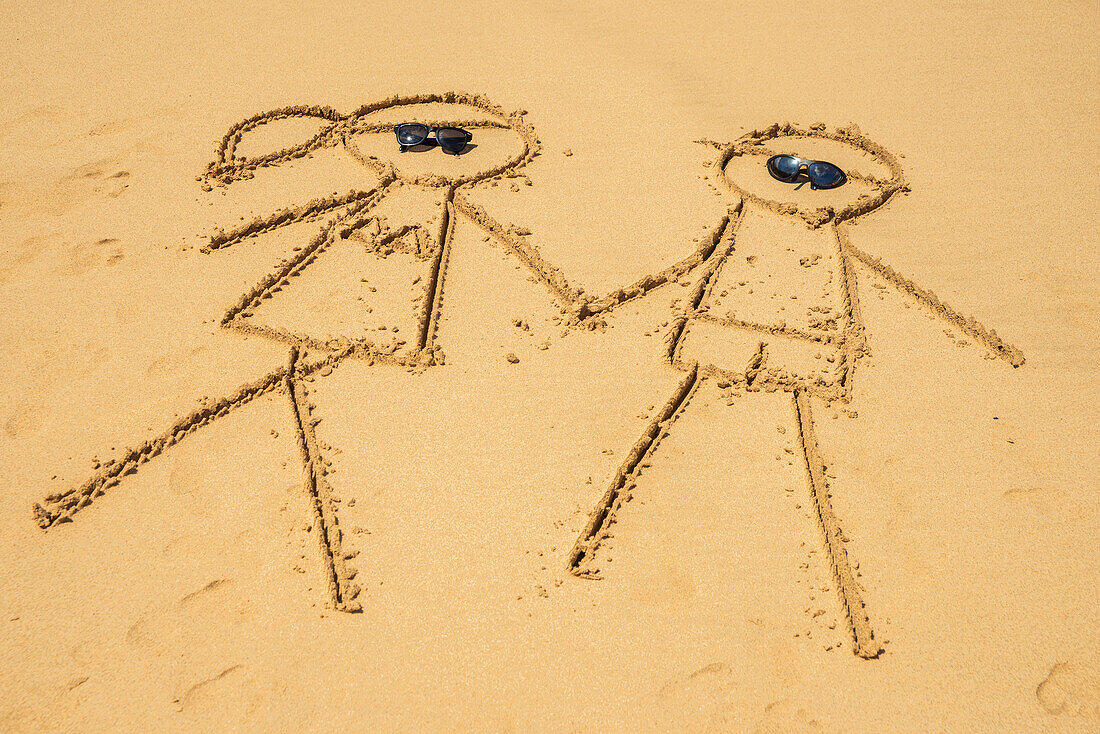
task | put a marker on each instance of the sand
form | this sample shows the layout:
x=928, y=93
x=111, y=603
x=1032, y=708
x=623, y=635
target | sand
x=595, y=427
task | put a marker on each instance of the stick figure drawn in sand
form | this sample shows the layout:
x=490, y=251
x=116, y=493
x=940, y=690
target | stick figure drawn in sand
x=805, y=339
x=402, y=228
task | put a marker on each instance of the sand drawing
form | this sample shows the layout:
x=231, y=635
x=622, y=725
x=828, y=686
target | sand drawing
x=729, y=327
x=409, y=254
x=732, y=329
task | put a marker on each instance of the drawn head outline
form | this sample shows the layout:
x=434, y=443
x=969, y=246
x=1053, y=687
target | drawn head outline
x=341, y=129
x=860, y=200
x=470, y=112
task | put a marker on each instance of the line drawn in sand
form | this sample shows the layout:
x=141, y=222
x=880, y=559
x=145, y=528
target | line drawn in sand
x=731, y=329
x=419, y=255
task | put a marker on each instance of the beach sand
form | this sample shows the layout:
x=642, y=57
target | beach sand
x=595, y=427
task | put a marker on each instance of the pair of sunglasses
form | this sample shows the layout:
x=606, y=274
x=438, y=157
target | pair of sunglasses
x=822, y=175
x=450, y=139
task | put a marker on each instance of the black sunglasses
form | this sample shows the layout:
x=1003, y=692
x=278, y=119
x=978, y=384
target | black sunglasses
x=450, y=139
x=822, y=175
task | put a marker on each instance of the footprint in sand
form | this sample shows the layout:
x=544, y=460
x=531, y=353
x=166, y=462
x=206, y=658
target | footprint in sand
x=91, y=255
x=57, y=707
x=700, y=701
x=14, y=258
x=228, y=698
x=783, y=717
x=40, y=116
x=188, y=479
x=1073, y=689
x=189, y=637
x=105, y=172
x=200, y=615
x=22, y=420
x=708, y=700
x=103, y=177
x=175, y=363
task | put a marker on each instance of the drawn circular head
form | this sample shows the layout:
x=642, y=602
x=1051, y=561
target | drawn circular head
x=873, y=173
x=314, y=127
x=502, y=142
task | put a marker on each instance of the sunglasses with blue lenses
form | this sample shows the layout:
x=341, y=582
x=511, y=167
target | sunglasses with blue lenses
x=451, y=139
x=822, y=175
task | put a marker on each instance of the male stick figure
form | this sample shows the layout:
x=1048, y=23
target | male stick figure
x=405, y=225
x=803, y=337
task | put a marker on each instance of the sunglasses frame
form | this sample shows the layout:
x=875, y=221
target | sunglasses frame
x=432, y=129
x=804, y=164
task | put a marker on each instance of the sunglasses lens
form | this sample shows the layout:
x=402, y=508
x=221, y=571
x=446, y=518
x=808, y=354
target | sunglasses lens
x=783, y=167
x=825, y=175
x=451, y=139
x=411, y=134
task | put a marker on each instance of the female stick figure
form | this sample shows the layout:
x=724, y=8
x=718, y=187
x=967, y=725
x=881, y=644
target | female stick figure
x=803, y=337
x=403, y=227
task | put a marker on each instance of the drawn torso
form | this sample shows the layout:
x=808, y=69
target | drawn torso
x=371, y=285
x=782, y=286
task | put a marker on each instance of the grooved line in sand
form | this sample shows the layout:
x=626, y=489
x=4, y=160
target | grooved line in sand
x=293, y=267
x=342, y=589
x=854, y=340
x=60, y=507
x=603, y=514
x=433, y=296
x=282, y=217
x=584, y=305
x=971, y=326
x=863, y=639
x=717, y=257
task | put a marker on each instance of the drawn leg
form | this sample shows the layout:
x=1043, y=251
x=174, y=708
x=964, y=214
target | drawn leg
x=60, y=507
x=863, y=638
x=433, y=295
x=603, y=514
x=341, y=587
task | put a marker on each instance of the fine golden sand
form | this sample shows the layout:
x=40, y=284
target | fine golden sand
x=594, y=427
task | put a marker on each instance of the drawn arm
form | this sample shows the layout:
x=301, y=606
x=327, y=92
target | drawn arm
x=979, y=332
x=228, y=168
x=282, y=217
x=581, y=304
